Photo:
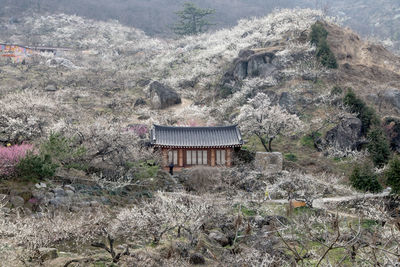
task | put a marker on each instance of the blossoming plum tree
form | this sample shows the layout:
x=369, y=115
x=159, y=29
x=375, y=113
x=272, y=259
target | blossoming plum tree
x=266, y=121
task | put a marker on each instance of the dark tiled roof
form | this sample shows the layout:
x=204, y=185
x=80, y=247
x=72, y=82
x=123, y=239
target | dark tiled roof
x=196, y=136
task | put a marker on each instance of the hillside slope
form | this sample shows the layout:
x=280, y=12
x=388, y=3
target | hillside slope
x=115, y=65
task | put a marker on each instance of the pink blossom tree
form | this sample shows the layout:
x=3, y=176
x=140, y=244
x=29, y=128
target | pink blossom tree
x=10, y=156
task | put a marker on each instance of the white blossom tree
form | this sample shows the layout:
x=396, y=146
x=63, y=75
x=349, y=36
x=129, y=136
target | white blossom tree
x=266, y=121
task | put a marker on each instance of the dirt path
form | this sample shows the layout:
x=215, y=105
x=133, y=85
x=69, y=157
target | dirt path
x=321, y=203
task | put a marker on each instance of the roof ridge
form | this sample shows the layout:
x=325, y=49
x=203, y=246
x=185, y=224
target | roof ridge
x=195, y=127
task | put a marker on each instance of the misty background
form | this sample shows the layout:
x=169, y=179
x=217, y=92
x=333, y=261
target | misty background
x=378, y=18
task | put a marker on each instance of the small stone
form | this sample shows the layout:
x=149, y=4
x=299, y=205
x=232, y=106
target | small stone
x=197, y=258
x=219, y=237
x=57, y=201
x=50, y=88
x=48, y=253
x=59, y=192
x=42, y=185
x=38, y=194
x=70, y=187
x=38, y=186
x=69, y=193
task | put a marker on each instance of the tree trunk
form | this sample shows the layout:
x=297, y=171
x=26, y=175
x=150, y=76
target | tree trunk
x=263, y=142
x=270, y=144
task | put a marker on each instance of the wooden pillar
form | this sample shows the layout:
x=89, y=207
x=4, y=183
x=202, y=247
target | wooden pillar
x=212, y=157
x=165, y=156
x=180, y=157
x=229, y=157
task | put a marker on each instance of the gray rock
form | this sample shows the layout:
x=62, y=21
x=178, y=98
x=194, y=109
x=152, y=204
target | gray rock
x=269, y=162
x=59, y=192
x=163, y=96
x=139, y=102
x=94, y=203
x=57, y=201
x=39, y=195
x=70, y=187
x=50, y=88
x=219, y=237
x=262, y=65
x=346, y=135
x=252, y=64
x=240, y=70
x=392, y=97
x=48, y=253
x=288, y=102
x=17, y=201
x=69, y=193
x=197, y=258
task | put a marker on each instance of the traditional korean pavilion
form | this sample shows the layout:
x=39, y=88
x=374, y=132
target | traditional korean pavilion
x=193, y=146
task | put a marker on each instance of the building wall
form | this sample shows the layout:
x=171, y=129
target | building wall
x=211, y=156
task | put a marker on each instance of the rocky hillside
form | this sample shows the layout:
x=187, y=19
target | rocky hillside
x=100, y=195
x=215, y=72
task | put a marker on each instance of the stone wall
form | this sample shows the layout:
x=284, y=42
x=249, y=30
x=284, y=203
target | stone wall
x=270, y=162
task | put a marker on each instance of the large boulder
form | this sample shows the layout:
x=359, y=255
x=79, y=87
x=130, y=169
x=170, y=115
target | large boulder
x=392, y=97
x=251, y=63
x=269, y=162
x=162, y=96
x=288, y=102
x=346, y=135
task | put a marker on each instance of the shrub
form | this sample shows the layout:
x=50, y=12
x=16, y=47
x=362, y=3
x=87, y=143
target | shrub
x=10, y=156
x=318, y=37
x=363, y=178
x=392, y=175
x=291, y=157
x=318, y=33
x=366, y=114
x=33, y=167
x=309, y=139
x=378, y=147
x=336, y=91
x=201, y=179
x=144, y=169
x=326, y=56
x=63, y=150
